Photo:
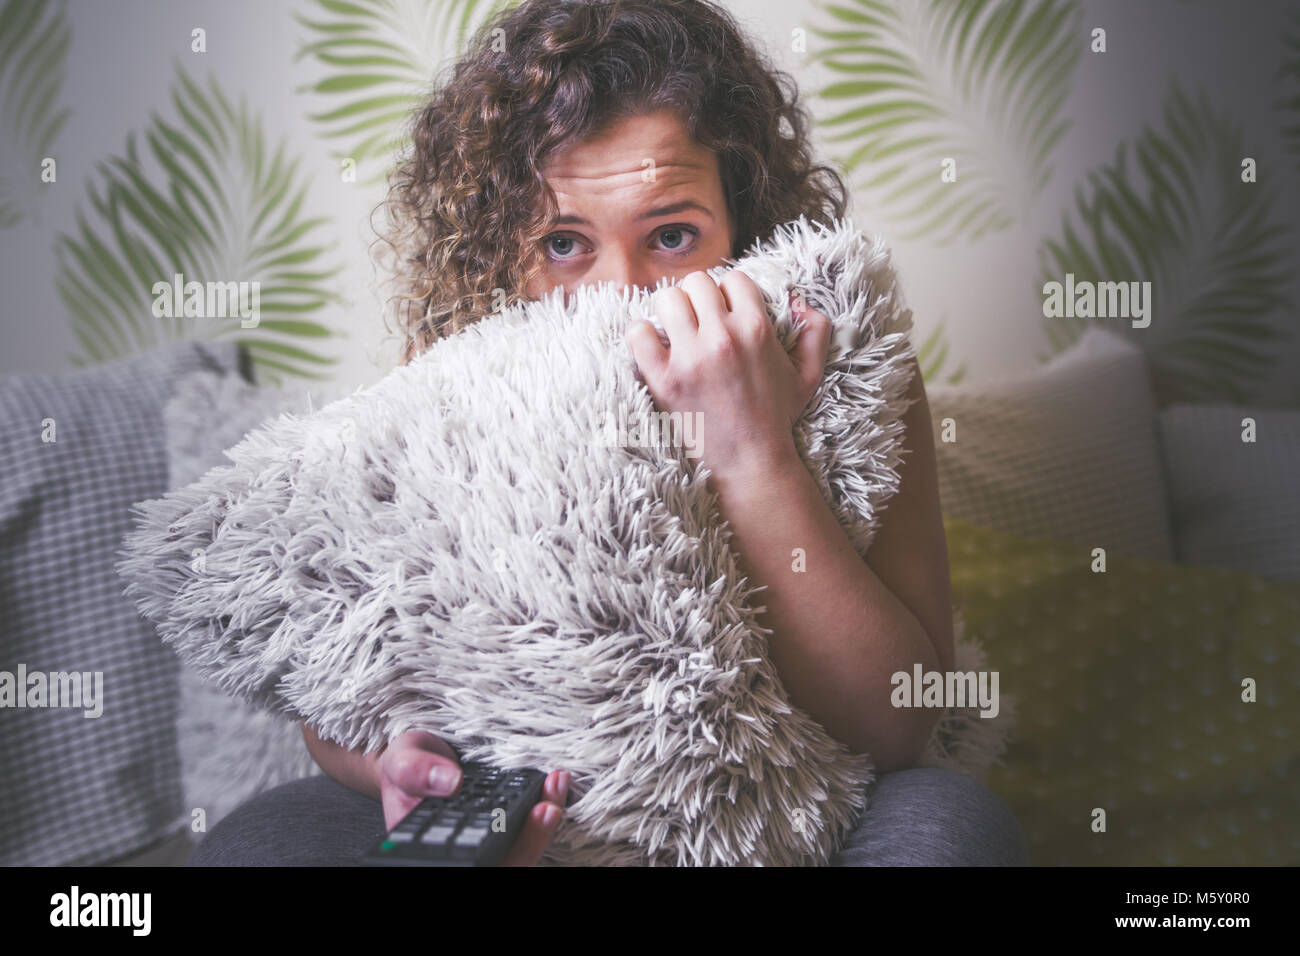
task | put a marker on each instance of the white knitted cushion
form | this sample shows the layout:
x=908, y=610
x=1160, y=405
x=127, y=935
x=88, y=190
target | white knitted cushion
x=459, y=549
x=1068, y=451
x=1234, y=503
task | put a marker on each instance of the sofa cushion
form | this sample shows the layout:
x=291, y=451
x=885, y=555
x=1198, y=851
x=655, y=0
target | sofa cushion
x=1068, y=450
x=76, y=451
x=1130, y=688
x=1234, y=503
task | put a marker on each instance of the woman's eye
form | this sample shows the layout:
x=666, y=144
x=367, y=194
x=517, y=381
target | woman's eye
x=561, y=244
x=677, y=238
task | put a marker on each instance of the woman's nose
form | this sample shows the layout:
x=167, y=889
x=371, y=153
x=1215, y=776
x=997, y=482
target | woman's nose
x=625, y=271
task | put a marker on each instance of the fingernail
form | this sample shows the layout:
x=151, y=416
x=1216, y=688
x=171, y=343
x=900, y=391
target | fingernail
x=564, y=784
x=444, y=779
x=550, y=815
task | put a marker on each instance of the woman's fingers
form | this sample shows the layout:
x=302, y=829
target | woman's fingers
x=650, y=354
x=542, y=822
x=698, y=308
x=747, y=320
x=539, y=828
x=423, y=766
x=556, y=787
x=677, y=315
x=706, y=302
x=810, y=349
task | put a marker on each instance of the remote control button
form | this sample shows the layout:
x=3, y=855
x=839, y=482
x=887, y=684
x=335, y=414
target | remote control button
x=437, y=836
x=401, y=836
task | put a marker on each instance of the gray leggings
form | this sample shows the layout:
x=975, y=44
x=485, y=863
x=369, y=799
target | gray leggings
x=918, y=817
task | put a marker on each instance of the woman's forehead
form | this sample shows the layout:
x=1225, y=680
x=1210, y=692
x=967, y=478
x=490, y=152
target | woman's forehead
x=630, y=146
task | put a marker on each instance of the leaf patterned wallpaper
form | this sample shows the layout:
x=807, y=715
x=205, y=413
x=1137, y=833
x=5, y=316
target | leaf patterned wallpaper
x=1007, y=148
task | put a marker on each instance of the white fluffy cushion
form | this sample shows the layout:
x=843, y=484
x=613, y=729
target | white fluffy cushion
x=1234, y=503
x=1069, y=450
x=230, y=750
x=457, y=549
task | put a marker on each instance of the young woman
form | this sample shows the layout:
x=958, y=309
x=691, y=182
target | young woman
x=586, y=142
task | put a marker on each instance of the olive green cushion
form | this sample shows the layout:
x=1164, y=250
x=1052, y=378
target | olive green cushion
x=1129, y=685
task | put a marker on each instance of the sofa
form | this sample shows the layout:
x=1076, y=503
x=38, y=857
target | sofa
x=1130, y=570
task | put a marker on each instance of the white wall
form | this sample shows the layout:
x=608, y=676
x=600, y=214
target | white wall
x=122, y=63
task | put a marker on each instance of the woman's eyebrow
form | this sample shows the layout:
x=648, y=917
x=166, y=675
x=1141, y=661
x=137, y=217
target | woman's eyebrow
x=648, y=214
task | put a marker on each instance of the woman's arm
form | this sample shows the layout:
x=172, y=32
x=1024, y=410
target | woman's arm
x=843, y=626
x=353, y=768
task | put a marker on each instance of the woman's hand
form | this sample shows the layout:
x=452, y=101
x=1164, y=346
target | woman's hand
x=417, y=764
x=725, y=362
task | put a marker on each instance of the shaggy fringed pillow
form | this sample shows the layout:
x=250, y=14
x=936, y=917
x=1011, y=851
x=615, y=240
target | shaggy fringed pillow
x=230, y=750
x=461, y=548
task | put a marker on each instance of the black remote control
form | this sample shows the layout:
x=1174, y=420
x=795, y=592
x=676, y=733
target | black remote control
x=475, y=826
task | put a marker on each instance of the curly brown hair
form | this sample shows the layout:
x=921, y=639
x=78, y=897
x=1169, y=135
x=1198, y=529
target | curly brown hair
x=468, y=206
